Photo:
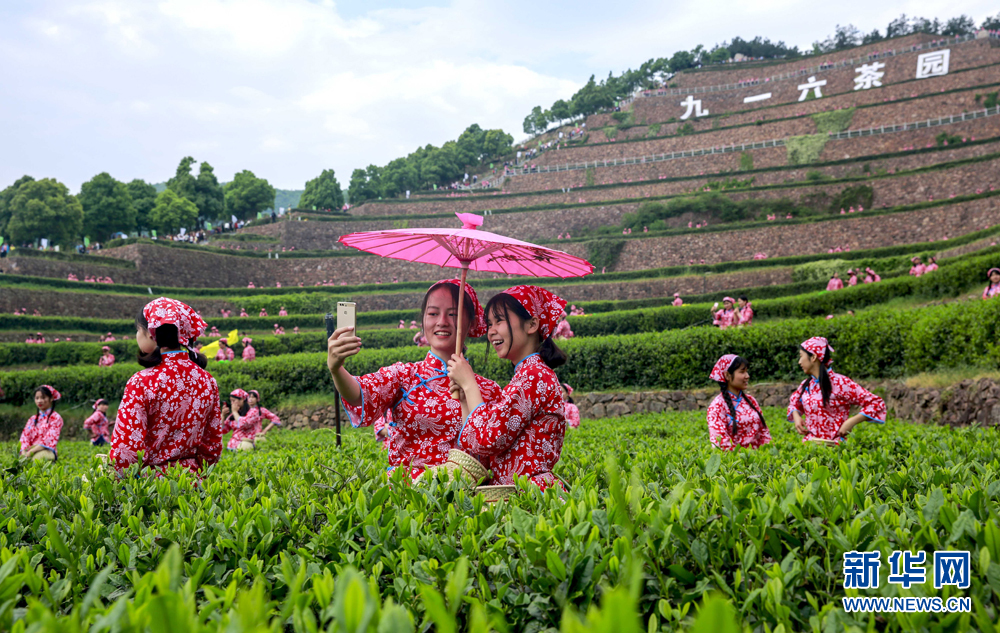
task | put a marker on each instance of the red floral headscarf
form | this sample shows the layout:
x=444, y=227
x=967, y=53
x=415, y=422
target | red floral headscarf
x=539, y=302
x=164, y=311
x=478, y=327
x=238, y=393
x=818, y=345
x=55, y=394
x=99, y=402
x=721, y=367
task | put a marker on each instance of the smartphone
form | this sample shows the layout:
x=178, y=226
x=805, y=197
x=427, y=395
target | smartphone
x=330, y=325
x=346, y=314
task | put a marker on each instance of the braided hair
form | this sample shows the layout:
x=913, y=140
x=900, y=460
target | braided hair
x=738, y=363
x=825, y=385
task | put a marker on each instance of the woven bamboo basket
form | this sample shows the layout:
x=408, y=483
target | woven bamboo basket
x=471, y=468
x=492, y=494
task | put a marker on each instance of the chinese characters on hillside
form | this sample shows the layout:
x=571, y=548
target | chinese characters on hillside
x=932, y=64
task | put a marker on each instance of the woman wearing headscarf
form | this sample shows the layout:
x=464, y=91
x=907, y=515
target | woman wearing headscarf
x=425, y=418
x=522, y=429
x=97, y=423
x=821, y=405
x=107, y=359
x=170, y=410
x=993, y=289
x=727, y=316
x=734, y=417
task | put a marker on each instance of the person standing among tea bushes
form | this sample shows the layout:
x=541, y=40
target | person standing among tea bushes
x=253, y=401
x=243, y=421
x=734, y=417
x=170, y=410
x=426, y=419
x=522, y=430
x=97, y=423
x=745, y=312
x=727, y=316
x=993, y=289
x=821, y=405
x=41, y=432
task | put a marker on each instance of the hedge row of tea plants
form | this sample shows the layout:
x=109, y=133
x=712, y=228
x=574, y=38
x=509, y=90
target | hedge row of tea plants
x=874, y=344
x=654, y=524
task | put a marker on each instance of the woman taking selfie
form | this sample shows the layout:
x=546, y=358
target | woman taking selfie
x=424, y=416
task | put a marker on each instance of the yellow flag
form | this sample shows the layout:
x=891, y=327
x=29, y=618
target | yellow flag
x=212, y=349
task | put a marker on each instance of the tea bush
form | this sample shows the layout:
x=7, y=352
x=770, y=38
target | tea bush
x=874, y=344
x=657, y=527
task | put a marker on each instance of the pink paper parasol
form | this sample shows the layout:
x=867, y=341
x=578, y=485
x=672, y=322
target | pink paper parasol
x=469, y=249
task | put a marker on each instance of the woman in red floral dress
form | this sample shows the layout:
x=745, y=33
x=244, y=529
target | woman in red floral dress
x=734, y=417
x=242, y=420
x=41, y=432
x=821, y=405
x=425, y=419
x=97, y=423
x=170, y=410
x=523, y=429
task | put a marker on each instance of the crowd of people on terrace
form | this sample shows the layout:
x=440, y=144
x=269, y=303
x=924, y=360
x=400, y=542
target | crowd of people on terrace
x=515, y=431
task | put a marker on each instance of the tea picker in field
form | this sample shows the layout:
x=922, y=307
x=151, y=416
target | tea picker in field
x=835, y=283
x=426, y=419
x=243, y=421
x=97, y=423
x=734, y=417
x=253, y=401
x=170, y=410
x=822, y=403
x=745, y=312
x=41, y=432
x=522, y=430
x=727, y=316
x=571, y=411
x=993, y=289
x=225, y=352
x=107, y=359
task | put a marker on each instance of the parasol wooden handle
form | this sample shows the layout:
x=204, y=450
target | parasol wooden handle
x=459, y=339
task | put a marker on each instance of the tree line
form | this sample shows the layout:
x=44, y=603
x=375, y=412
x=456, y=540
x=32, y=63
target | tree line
x=430, y=166
x=599, y=96
x=34, y=209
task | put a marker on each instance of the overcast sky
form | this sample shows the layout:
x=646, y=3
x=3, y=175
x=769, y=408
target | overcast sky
x=287, y=88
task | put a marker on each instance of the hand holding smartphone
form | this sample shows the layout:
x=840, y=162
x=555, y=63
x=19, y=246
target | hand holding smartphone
x=347, y=343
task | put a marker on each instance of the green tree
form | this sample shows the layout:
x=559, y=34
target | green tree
x=143, y=200
x=5, y=198
x=209, y=196
x=107, y=207
x=45, y=208
x=323, y=192
x=681, y=60
x=561, y=110
x=172, y=212
x=183, y=183
x=204, y=190
x=247, y=195
x=497, y=143
x=593, y=97
x=530, y=125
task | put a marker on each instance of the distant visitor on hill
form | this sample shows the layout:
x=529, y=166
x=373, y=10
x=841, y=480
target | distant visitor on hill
x=249, y=353
x=918, y=267
x=871, y=276
x=170, y=410
x=225, y=352
x=734, y=417
x=931, y=265
x=852, y=277
x=677, y=299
